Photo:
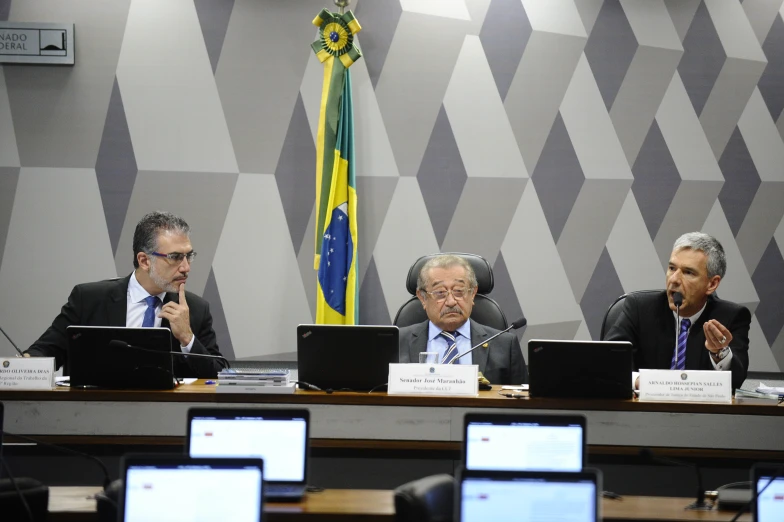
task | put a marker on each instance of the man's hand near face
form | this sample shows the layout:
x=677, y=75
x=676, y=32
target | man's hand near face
x=179, y=318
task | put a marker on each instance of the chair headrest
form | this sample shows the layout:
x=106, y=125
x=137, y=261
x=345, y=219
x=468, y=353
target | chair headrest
x=482, y=269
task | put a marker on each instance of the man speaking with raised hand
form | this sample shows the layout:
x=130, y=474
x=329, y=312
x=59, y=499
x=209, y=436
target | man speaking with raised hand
x=712, y=334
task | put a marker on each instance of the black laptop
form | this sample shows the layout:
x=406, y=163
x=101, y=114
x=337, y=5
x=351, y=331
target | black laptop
x=483, y=495
x=119, y=357
x=278, y=436
x=524, y=442
x=177, y=487
x=591, y=369
x=346, y=357
x=767, y=481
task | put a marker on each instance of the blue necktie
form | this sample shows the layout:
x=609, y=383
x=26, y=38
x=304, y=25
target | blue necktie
x=679, y=359
x=451, y=341
x=149, y=314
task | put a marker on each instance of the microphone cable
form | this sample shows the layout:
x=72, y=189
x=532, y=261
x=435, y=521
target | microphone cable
x=107, y=480
x=22, y=498
x=20, y=352
x=756, y=494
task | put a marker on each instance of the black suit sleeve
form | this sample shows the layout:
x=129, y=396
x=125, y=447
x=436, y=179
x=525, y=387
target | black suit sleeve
x=739, y=326
x=205, y=342
x=54, y=342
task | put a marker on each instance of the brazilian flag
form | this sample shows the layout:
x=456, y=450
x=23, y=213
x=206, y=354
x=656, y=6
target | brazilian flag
x=337, y=300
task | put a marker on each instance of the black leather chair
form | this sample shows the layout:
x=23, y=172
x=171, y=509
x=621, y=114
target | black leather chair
x=486, y=311
x=429, y=499
x=614, y=311
x=35, y=494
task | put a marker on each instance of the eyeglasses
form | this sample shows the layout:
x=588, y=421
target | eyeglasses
x=177, y=257
x=457, y=293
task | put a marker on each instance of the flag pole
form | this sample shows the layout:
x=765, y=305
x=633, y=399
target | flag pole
x=342, y=4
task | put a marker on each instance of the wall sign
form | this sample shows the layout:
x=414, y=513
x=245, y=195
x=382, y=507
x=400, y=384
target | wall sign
x=36, y=43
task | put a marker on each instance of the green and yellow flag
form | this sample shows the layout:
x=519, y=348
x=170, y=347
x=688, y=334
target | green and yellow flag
x=337, y=299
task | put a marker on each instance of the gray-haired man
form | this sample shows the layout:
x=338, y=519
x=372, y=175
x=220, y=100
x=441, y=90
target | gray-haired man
x=714, y=333
x=446, y=286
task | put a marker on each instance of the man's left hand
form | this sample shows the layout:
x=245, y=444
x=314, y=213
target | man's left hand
x=717, y=336
x=179, y=317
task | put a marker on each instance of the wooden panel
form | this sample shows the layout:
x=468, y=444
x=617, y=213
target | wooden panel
x=200, y=393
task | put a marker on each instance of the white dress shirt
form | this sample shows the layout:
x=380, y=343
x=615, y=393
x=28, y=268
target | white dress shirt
x=136, y=306
x=436, y=343
x=723, y=364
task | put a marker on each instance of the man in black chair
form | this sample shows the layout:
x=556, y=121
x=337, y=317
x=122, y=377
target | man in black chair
x=714, y=334
x=152, y=295
x=446, y=286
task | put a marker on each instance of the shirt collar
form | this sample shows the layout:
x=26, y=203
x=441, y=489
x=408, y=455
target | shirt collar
x=136, y=291
x=693, y=318
x=433, y=330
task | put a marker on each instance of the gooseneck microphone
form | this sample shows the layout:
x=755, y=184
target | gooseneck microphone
x=514, y=326
x=677, y=300
x=699, y=503
x=21, y=354
x=115, y=344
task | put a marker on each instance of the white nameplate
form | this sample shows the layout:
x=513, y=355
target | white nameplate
x=456, y=380
x=23, y=373
x=686, y=385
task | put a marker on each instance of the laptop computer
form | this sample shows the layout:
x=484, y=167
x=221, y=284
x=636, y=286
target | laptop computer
x=527, y=495
x=119, y=357
x=767, y=480
x=340, y=357
x=177, y=487
x=524, y=442
x=595, y=369
x=280, y=437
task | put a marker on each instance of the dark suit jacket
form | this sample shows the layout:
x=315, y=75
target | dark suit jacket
x=103, y=303
x=501, y=363
x=647, y=321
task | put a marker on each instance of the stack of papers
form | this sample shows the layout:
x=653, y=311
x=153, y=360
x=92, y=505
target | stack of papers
x=254, y=381
x=769, y=390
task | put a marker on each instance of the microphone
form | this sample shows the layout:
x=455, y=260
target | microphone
x=514, y=326
x=115, y=344
x=677, y=300
x=21, y=354
x=699, y=503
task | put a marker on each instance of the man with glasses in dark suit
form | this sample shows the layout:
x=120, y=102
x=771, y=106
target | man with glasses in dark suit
x=446, y=286
x=153, y=295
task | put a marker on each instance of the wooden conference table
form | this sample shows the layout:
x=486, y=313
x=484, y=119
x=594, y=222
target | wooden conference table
x=380, y=421
x=76, y=504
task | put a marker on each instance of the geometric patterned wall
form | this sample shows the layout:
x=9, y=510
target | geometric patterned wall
x=567, y=141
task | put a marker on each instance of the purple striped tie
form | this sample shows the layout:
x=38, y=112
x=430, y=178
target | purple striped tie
x=679, y=359
x=451, y=341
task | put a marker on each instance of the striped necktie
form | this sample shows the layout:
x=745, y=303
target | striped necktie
x=451, y=341
x=679, y=358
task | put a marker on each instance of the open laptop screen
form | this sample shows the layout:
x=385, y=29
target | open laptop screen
x=565, y=497
x=280, y=437
x=180, y=488
x=770, y=503
x=522, y=442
